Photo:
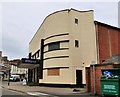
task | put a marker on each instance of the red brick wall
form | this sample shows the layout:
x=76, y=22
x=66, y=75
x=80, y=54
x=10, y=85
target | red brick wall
x=107, y=41
x=114, y=41
x=98, y=75
x=119, y=42
x=87, y=79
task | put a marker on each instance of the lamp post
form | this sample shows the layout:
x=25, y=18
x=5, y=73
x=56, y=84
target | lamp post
x=9, y=77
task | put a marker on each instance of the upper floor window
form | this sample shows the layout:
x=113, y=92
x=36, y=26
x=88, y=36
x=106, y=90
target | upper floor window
x=76, y=21
x=54, y=46
x=76, y=43
x=37, y=54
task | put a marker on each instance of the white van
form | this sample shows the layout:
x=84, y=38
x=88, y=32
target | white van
x=14, y=78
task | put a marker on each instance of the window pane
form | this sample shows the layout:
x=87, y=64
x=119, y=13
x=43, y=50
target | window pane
x=76, y=21
x=54, y=46
x=76, y=43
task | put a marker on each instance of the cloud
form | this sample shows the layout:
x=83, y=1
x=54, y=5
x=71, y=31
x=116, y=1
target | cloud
x=20, y=21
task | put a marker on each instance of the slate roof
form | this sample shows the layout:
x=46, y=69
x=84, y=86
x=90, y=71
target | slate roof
x=115, y=59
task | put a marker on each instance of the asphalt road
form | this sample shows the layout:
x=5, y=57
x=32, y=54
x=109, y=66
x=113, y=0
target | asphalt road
x=10, y=93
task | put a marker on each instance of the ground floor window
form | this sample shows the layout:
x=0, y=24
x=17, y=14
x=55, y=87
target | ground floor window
x=53, y=72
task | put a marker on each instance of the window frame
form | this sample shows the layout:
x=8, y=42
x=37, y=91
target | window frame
x=76, y=43
x=76, y=21
x=54, y=46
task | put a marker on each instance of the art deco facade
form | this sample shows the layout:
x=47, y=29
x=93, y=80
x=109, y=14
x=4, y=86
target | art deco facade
x=66, y=43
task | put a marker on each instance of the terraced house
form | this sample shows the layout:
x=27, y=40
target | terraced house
x=66, y=43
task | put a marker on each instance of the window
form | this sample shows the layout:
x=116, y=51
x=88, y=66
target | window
x=54, y=46
x=37, y=54
x=76, y=43
x=76, y=21
x=34, y=56
x=53, y=72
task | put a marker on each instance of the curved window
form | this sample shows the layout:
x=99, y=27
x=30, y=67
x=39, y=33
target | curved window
x=54, y=46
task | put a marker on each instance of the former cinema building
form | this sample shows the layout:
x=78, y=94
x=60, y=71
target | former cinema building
x=66, y=42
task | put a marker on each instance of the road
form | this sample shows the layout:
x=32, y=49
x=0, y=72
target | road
x=10, y=93
x=41, y=94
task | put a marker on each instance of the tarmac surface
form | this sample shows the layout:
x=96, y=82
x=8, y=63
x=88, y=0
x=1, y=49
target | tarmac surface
x=45, y=91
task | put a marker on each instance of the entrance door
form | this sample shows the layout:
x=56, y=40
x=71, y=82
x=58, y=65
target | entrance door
x=89, y=82
x=79, y=78
x=30, y=73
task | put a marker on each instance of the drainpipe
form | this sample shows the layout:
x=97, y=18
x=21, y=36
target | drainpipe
x=94, y=78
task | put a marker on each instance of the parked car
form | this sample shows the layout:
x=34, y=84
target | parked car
x=14, y=78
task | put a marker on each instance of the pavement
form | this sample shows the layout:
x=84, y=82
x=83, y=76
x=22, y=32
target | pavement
x=36, y=90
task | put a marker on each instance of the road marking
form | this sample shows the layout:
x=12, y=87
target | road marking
x=37, y=93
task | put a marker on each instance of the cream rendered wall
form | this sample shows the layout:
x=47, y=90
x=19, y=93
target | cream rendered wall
x=57, y=24
x=63, y=22
x=57, y=38
x=59, y=62
x=84, y=32
x=56, y=53
x=62, y=79
x=54, y=24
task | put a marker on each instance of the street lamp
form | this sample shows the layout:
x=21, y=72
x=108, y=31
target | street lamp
x=9, y=77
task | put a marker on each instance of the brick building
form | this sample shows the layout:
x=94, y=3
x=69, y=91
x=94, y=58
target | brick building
x=15, y=70
x=108, y=50
x=108, y=39
x=98, y=74
x=5, y=69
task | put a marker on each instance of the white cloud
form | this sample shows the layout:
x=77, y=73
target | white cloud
x=59, y=0
x=21, y=20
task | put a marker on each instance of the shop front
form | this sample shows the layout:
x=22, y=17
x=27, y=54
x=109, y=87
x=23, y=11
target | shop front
x=33, y=70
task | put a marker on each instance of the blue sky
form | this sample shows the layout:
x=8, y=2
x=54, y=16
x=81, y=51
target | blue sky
x=21, y=20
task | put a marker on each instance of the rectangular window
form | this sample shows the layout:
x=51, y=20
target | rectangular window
x=53, y=72
x=32, y=57
x=76, y=43
x=37, y=54
x=76, y=21
x=54, y=46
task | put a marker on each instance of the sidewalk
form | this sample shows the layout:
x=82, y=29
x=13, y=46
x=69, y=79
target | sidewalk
x=17, y=86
